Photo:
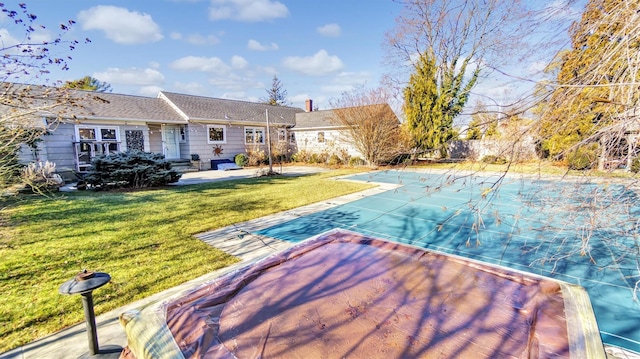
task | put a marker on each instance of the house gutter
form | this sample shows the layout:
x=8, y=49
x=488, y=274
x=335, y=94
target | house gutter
x=206, y=121
x=318, y=128
x=121, y=120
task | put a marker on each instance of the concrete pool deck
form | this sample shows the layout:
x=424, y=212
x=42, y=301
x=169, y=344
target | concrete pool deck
x=236, y=240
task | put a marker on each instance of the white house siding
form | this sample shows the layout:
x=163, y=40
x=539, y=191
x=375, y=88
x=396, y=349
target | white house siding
x=155, y=139
x=60, y=149
x=476, y=149
x=335, y=141
x=198, y=140
x=234, y=144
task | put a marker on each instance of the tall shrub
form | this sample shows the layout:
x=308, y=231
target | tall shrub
x=134, y=169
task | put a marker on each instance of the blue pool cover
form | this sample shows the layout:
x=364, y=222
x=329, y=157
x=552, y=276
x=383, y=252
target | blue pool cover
x=582, y=233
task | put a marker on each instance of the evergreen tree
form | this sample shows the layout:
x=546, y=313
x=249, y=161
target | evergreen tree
x=474, y=132
x=436, y=94
x=595, y=78
x=483, y=123
x=277, y=94
x=88, y=83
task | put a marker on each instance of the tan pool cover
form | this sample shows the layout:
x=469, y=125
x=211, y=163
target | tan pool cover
x=343, y=295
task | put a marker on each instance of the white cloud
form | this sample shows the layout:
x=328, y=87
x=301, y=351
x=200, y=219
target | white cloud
x=352, y=78
x=317, y=65
x=257, y=46
x=130, y=76
x=203, y=64
x=330, y=30
x=236, y=83
x=150, y=91
x=247, y=10
x=38, y=36
x=239, y=63
x=7, y=39
x=41, y=35
x=192, y=88
x=299, y=98
x=238, y=95
x=535, y=68
x=269, y=70
x=120, y=25
x=197, y=39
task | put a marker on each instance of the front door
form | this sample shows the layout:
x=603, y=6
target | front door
x=170, y=142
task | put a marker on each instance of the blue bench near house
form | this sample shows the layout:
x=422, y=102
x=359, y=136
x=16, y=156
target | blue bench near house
x=224, y=165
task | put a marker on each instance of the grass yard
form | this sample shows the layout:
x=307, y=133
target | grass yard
x=144, y=240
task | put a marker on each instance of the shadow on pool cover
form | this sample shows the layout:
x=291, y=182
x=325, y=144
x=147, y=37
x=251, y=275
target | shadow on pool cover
x=342, y=294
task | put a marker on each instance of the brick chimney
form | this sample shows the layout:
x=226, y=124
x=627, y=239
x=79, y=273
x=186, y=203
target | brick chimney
x=308, y=105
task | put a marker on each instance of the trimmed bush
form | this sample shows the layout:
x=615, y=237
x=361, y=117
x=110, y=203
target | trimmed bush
x=301, y=156
x=635, y=165
x=256, y=156
x=241, y=159
x=334, y=160
x=133, y=169
x=583, y=158
x=356, y=161
x=494, y=160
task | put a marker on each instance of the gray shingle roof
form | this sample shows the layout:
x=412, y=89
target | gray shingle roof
x=126, y=107
x=329, y=118
x=198, y=108
x=316, y=119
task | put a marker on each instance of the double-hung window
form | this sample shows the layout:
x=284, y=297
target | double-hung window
x=253, y=135
x=216, y=134
x=93, y=141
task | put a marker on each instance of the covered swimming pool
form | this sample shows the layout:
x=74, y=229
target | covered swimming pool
x=580, y=232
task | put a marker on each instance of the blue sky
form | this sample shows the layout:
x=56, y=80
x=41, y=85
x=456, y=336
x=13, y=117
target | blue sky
x=233, y=48
x=224, y=48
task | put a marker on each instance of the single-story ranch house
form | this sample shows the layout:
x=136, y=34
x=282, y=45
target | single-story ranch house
x=178, y=126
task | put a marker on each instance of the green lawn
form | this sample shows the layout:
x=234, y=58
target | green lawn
x=143, y=239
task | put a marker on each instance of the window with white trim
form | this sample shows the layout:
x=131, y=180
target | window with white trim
x=282, y=135
x=93, y=141
x=216, y=134
x=97, y=133
x=321, y=137
x=253, y=135
x=292, y=138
